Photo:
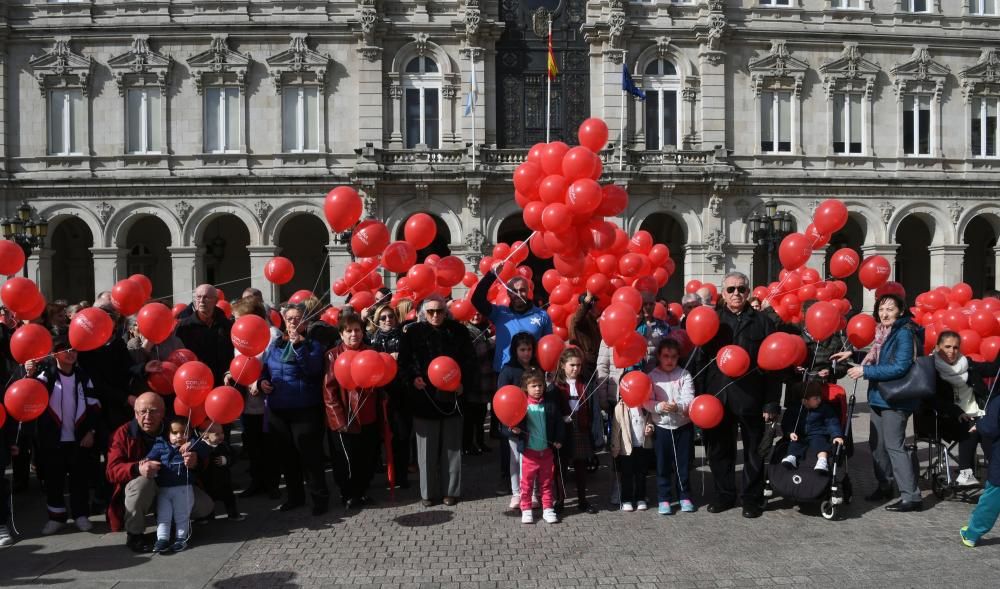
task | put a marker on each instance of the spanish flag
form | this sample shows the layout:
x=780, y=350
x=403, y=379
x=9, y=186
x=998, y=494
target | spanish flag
x=553, y=70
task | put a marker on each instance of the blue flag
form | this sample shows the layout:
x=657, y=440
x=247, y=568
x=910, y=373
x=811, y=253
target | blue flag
x=628, y=85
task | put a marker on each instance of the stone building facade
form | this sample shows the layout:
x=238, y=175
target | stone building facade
x=194, y=139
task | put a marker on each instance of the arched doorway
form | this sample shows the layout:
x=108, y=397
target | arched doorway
x=852, y=236
x=303, y=240
x=513, y=229
x=72, y=261
x=146, y=246
x=226, y=262
x=913, y=259
x=440, y=245
x=667, y=230
x=979, y=269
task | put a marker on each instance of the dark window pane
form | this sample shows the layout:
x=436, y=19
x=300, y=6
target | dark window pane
x=414, y=66
x=431, y=122
x=855, y=147
x=908, y=131
x=412, y=117
x=653, y=120
x=785, y=146
x=838, y=147
x=670, y=118
x=430, y=66
x=925, y=131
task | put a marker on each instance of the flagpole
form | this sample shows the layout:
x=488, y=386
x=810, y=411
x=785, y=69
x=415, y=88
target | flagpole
x=472, y=62
x=548, y=87
x=621, y=122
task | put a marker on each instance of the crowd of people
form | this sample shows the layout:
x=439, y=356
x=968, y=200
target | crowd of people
x=122, y=449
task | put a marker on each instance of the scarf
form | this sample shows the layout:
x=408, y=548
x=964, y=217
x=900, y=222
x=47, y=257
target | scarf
x=957, y=375
x=881, y=333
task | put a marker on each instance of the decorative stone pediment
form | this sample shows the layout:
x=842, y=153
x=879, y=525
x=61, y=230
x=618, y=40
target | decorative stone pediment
x=140, y=66
x=984, y=77
x=777, y=70
x=920, y=73
x=298, y=64
x=219, y=65
x=850, y=72
x=62, y=68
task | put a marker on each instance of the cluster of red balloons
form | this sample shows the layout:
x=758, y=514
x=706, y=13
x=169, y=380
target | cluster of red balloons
x=977, y=321
x=364, y=369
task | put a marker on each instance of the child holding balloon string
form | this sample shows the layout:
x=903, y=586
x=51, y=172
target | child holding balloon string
x=583, y=419
x=522, y=359
x=538, y=437
x=672, y=395
x=174, y=495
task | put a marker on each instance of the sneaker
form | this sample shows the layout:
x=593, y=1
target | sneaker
x=687, y=506
x=5, y=538
x=162, y=546
x=515, y=501
x=627, y=506
x=51, y=527
x=641, y=506
x=966, y=478
x=549, y=516
x=822, y=465
x=665, y=508
x=965, y=539
x=527, y=517
x=83, y=524
x=180, y=545
x=790, y=462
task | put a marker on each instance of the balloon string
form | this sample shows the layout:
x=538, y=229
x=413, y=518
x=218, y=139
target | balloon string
x=789, y=273
x=504, y=261
x=588, y=395
x=712, y=361
x=736, y=380
x=184, y=292
x=691, y=357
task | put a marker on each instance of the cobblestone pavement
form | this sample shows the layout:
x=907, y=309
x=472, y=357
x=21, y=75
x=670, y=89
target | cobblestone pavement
x=481, y=544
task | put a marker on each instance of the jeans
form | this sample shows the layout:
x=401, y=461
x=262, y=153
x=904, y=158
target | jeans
x=672, y=463
x=819, y=443
x=174, y=503
x=140, y=495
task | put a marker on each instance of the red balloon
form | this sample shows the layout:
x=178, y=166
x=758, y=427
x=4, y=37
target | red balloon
x=630, y=264
x=616, y=321
x=962, y=293
x=362, y=300
x=389, y=369
x=817, y=239
x=399, y=256
x=196, y=414
x=614, y=202
x=510, y=405
x=527, y=177
x=145, y=283
x=26, y=399
x=629, y=296
x=593, y=134
x=450, y=271
x=331, y=316
x=420, y=230
x=367, y=369
x=706, y=411
x=36, y=311
x=844, y=262
x=861, y=330
x=342, y=208
x=955, y=320
x=635, y=388
x=557, y=217
x=192, y=382
x=794, y=251
x=3, y=416
x=658, y=254
x=822, y=320
x=250, y=334
x=984, y=322
x=177, y=309
x=444, y=373
x=702, y=324
x=162, y=380
x=181, y=356
x=11, y=258
x=990, y=347
x=225, y=307
x=733, y=361
x=578, y=163
x=245, y=369
x=970, y=342
x=19, y=294
x=90, y=329
x=300, y=295
x=584, y=196
x=552, y=157
x=777, y=352
x=550, y=347
x=830, y=216
x=874, y=272
x=279, y=270
x=224, y=405
x=369, y=238
x=30, y=342
x=629, y=351
x=342, y=369
x=155, y=322
x=421, y=277
x=553, y=189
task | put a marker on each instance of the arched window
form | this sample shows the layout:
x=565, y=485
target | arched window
x=422, y=95
x=662, y=86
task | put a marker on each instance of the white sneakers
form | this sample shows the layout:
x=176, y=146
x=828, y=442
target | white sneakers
x=966, y=478
x=822, y=465
x=83, y=524
x=5, y=538
x=627, y=506
x=790, y=462
x=550, y=516
x=527, y=517
x=641, y=506
x=51, y=527
x=515, y=501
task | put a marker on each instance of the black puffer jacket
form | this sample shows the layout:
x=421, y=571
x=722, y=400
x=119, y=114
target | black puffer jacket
x=211, y=343
x=387, y=341
x=421, y=343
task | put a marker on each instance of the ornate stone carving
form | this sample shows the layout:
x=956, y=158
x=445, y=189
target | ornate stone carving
x=665, y=200
x=369, y=199
x=141, y=65
x=920, y=73
x=850, y=71
x=183, y=209
x=777, y=70
x=261, y=208
x=475, y=243
x=984, y=77
x=368, y=17
x=663, y=47
x=715, y=205
x=421, y=42
x=219, y=64
x=886, y=208
x=450, y=90
x=616, y=27
x=104, y=211
x=423, y=193
x=540, y=22
x=62, y=67
x=370, y=53
x=716, y=242
x=955, y=210
x=297, y=60
x=473, y=17
x=716, y=5
x=717, y=25
x=472, y=198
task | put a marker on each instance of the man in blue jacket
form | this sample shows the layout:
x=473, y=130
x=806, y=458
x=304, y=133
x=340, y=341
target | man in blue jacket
x=520, y=316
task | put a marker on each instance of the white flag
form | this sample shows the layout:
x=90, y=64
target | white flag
x=470, y=100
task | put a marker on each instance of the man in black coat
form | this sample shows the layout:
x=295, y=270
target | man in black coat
x=749, y=400
x=206, y=332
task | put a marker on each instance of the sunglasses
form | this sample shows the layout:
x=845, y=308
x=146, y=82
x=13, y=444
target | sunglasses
x=739, y=289
x=433, y=311
x=386, y=318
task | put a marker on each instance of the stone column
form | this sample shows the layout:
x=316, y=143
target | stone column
x=947, y=262
x=183, y=264
x=697, y=265
x=740, y=259
x=713, y=102
x=259, y=256
x=40, y=269
x=339, y=257
x=370, y=92
x=109, y=267
x=887, y=251
x=817, y=261
x=996, y=279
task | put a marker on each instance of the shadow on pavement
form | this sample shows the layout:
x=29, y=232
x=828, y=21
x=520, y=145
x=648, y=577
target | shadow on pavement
x=275, y=580
x=425, y=518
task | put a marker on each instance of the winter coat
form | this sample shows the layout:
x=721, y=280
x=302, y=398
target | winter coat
x=295, y=372
x=482, y=343
x=621, y=436
x=755, y=391
x=585, y=334
x=356, y=407
x=421, y=344
x=387, y=341
x=508, y=323
x=607, y=378
x=587, y=418
x=894, y=360
x=675, y=386
x=210, y=343
x=824, y=420
x=108, y=367
x=88, y=408
x=129, y=444
x=555, y=427
x=172, y=471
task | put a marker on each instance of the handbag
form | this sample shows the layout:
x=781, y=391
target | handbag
x=919, y=382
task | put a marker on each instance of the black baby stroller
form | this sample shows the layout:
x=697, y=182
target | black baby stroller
x=807, y=485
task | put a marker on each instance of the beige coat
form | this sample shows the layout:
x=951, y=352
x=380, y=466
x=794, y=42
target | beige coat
x=621, y=439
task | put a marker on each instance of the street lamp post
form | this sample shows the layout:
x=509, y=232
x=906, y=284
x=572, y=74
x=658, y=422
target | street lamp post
x=26, y=232
x=769, y=229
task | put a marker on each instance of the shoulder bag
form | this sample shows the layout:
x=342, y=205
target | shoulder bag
x=919, y=382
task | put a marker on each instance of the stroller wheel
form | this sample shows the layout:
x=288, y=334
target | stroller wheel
x=941, y=488
x=828, y=510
